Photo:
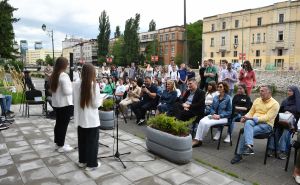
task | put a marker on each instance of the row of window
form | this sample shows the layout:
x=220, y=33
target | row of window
x=152, y=36
x=237, y=22
x=235, y=53
x=161, y=37
x=166, y=49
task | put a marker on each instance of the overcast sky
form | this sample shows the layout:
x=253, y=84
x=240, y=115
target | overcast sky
x=79, y=18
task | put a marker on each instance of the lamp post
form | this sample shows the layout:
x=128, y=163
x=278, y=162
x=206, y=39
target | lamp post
x=50, y=32
x=186, y=58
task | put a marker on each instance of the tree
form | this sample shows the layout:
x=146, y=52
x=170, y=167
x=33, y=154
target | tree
x=103, y=37
x=117, y=52
x=49, y=60
x=194, y=36
x=152, y=25
x=39, y=62
x=151, y=49
x=131, y=40
x=7, y=35
x=178, y=59
x=117, y=33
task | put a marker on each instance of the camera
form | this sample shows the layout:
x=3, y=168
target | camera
x=143, y=86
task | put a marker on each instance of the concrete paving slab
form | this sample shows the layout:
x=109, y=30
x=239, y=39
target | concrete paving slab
x=6, y=160
x=40, y=174
x=11, y=180
x=16, y=138
x=175, y=176
x=113, y=180
x=156, y=167
x=30, y=165
x=56, y=160
x=136, y=173
x=73, y=178
x=193, y=182
x=19, y=158
x=193, y=169
x=213, y=178
x=103, y=170
x=154, y=180
x=63, y=168
x=20, y=150
x=15, y=144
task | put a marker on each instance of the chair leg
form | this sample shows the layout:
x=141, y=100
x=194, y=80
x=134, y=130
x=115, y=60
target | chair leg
x=220, y=137
x=288, y=158
x=230, y=139
x=275, y=145
x=295, y=157
x=211, y=133
x=237, y=144
x=266, y=153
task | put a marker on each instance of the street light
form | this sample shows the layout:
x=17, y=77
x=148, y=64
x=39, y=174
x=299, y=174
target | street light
x=50, y=32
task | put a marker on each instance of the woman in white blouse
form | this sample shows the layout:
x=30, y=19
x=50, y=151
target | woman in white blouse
x=86, y=117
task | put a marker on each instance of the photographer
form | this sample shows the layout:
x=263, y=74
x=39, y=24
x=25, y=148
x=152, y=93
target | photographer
x=149, y=100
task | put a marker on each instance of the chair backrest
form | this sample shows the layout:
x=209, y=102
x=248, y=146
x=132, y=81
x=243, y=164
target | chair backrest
x=30, y=95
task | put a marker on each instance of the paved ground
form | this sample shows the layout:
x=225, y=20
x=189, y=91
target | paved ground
x=27, y=156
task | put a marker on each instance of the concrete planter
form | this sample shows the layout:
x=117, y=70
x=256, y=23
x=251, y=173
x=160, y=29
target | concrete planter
x=173, y=148
x=106, y=120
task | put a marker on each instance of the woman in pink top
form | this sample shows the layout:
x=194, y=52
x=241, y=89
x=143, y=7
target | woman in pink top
x=247, y=76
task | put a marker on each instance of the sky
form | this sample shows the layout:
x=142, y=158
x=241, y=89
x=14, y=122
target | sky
x=80, y=18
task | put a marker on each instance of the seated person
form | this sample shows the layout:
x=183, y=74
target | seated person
x=5, y=101
x=219, y=113
x=149, y=99
x=109, y=87
x=120, y=90
x=27, y=80
x=168, y=98
x=133, y=96
x=241, y=104
x=158, y=84
x=209, y=95
x=290, y=106
x=259, y=120
x=192, y=103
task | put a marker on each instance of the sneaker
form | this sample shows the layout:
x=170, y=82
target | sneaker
x=217, y=136
x=282, y=156
x=237, y=158
x=248, y=150
x=65, y=148
x=3, y=126
x=227, y=139
x=93, y=168
x=270, y=153
x=142, y=121
x=81, y=165
x=10, y=112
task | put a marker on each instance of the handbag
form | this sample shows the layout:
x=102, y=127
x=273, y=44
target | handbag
x=286, y=117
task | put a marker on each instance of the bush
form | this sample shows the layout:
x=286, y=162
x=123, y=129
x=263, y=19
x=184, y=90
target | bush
x=108, y=105
x=170, y=125
x=16, y=97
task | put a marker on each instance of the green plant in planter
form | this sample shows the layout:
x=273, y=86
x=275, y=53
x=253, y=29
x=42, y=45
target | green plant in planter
x=108, y=105
x=170, y=125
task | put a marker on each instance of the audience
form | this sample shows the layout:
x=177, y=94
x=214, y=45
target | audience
x=209, y=95
x=247, y=76
x=168, y=98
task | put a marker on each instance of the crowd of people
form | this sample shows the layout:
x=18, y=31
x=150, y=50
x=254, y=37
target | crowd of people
x=172, y=90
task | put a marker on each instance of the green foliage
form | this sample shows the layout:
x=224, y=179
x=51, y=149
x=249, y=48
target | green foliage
x=170, y=125
x=14, y=63
x=7, y=35
x=16, y=97
x=108, y=105
x=151, y=49
x=104, y=34
x=131, y=40
x=152, y=25
x=178, y=59
x=40, y=62
x=194, y=36
x=49, y=60
x=117, y=51
x=37, y=75
x=117, y=33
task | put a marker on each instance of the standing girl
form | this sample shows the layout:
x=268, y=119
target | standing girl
x=247, y=76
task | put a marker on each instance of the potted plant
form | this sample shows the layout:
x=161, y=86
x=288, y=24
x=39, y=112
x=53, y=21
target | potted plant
x=106, y=114
x=170, y=138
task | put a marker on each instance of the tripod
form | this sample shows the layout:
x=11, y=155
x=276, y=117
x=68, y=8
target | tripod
x=116, y=109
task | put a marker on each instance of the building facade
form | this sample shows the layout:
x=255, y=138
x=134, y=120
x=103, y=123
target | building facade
x=268, y=36
x=33, y=55
x=86, y=52
x=23, y=49
x=38, y=45
x=146, y=38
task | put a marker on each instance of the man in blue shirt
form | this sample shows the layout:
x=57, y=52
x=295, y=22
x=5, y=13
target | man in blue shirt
x=182, y=78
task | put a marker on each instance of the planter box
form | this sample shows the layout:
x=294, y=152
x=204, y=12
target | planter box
x=106, y=120
x=173, y=148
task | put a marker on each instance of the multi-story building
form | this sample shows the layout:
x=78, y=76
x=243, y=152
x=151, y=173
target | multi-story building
x=33, y=55
x=268, y=36
x=86, y=52
x=38, y=45
x=66, y=52
x=70, y=42
x=146, y=38
x=23, y=49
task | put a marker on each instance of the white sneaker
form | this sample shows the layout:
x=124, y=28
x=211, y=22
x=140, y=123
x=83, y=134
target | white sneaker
x=65, y=148
x=227, y=139
x=217, y=136
x=56, y=147
x=93, y=168
x=81, y=165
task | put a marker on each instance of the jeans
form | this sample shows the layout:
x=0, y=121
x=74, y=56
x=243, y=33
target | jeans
x=252, y=129
x=182, y=87
x=283, y=140
x=232, y=121
x=5, y=102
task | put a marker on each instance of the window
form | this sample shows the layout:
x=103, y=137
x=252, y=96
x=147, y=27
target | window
x=161, y=50
x=256, y=63
x=167, y=37
x=236, y=40
x=257, y=53
x=258, y=38
x=212, y=42
x=173, y=36
x=173, y=48
x=223, y=25
x=223, y=41
x=161, y=38
x=279, y=52
x=252, y=38
x=279, y=63
x=211, y=54
x=223, y=54
x=236, y=23
x=234, y=53
x=281, y=18
x=166, y=49
x=144, y=37
x=212, y=27
x=259, y=20
x=280, y=36
x=264, y=37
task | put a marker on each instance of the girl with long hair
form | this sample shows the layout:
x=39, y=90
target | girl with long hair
x=86, y=118
x=247, y=76
x=61, y=88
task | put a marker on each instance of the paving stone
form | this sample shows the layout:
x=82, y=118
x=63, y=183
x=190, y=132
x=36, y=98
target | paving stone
x=136, y=173
x=193, y=182
x=193, y=169
x=113, y=179
x=3, y=150
x=74, y=156
x=63, y=168
x=73, y=178
x=152, y=181
x=101, y=171
x=118, y=165
x=235, y=183
x=6, y=160
x=49, y=152
x=10, y=134
x=42, y=146
x=156, y=167
x=22, y=167
x=38, y=141
x=213, y=178
x=20, y=150
x=18, y=158
x=141, y=157
x=40, y=174
x=11, y=180
x=89, y=183
x=23, y=128
x=17, y=138
x=56, y=160
x=9, y=170
x=48, y=181
x=175, y=176
x=30, y=132
x=16, y=144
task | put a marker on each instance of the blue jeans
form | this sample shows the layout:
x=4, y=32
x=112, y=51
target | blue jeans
x=231, y=122
x=252, y=129
x=5, y=103
x=182, y=87
x=283, y=140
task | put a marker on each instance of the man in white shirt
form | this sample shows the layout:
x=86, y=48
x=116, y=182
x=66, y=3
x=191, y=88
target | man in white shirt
x=174, y=74
x=170, y=66
x=120, y=90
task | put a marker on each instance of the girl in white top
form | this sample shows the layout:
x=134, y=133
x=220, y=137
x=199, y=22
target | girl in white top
x=61, y=88
x=210, y=94
x=86, y=117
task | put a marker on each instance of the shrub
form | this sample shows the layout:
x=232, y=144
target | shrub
x=170, y=125
x=108, y=105
x=16, y=97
